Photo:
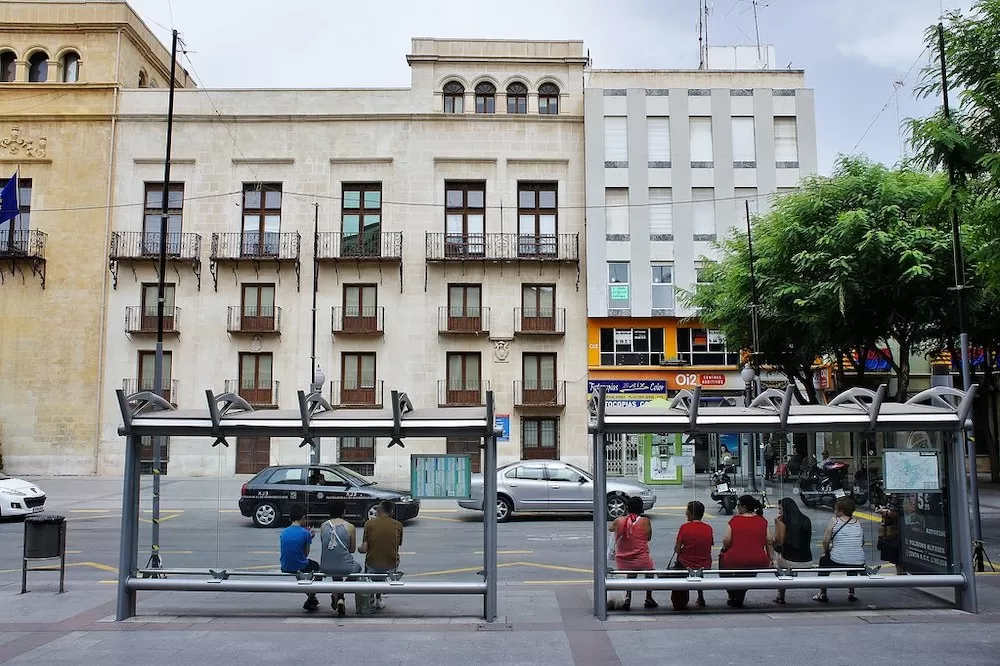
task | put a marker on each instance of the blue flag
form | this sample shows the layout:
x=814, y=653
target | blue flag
x=8, y=200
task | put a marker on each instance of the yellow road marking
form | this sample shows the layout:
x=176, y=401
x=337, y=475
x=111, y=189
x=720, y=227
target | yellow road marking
x=92, y=565
x=264, y=552
x=505, y=552
x=89, y=510
x=449, y=520
x=163, y=518
x=177, y=552
x=73, y=552
x=553, y=567
x=868, y=516
x=439, y=511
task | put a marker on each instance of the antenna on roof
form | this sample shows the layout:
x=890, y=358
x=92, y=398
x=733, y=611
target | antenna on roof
x=701, y=36
x=756, y=28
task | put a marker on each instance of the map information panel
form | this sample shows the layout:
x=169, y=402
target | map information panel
x=911, y=471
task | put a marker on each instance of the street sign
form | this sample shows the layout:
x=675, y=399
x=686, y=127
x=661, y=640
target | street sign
x=440, y=476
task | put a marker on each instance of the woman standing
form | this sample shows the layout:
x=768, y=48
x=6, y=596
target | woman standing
x=339, y=541
x=747, y=544
x=633, y=533
x=888, y=533
x=694, y=551
x=792, y=538
x=843, y=545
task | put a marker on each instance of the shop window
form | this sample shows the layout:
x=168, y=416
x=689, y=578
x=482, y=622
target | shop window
x=631, y=346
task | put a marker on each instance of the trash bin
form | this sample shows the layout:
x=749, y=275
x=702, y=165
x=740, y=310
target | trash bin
x=44, y=536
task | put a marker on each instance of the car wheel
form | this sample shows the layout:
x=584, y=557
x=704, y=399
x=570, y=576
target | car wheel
x=617, y=506
x=505, y=508
x=372, y=512
x=266, y=515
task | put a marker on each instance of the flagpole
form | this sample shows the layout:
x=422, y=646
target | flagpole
x=155, y=562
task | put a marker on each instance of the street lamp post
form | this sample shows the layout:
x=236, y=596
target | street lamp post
x=319, y=379
x=748, y=375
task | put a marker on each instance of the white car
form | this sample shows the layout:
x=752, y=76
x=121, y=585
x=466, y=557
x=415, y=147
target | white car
x=19, y=497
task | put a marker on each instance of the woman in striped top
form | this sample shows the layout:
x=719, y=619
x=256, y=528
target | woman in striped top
x=844, y=545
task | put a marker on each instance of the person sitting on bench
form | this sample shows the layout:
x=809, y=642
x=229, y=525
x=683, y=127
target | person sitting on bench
x=382, y=538
x=338, y=539
x=295, y=540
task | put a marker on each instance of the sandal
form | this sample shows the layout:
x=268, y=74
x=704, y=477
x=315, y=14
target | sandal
x=821, y=597
x=700, y=603
x=852, y=597
x=651, y=603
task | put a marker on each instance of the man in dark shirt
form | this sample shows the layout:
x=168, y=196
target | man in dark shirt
x=382, y=538
x=295, y=540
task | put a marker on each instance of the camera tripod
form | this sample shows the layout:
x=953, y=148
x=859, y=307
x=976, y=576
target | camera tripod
x=980, y=557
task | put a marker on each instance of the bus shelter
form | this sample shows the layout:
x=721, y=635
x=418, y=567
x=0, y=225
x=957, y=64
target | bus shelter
x=228, y=415
x=939, y=416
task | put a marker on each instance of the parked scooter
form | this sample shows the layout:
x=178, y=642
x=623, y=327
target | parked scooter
x=868, y=487
x=819, y=484
x=720, y=478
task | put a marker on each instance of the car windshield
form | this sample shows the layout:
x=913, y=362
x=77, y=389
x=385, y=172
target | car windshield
x=354, y=476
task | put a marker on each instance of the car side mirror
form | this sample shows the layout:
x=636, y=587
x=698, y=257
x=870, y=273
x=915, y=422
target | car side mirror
x=583, y=479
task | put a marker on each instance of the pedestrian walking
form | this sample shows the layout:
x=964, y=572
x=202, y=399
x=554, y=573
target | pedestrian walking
x=770, y=457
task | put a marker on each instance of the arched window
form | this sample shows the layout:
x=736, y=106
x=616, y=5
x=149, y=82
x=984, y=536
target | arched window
x=486, y=98
x=71, y=67
x=143, y=81
x=454, y=97
x=8, y=67
x=38, y=67
x=517, y=98
x=548, y=98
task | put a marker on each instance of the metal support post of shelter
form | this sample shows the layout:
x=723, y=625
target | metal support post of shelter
x=490, y=568
x=600, y=509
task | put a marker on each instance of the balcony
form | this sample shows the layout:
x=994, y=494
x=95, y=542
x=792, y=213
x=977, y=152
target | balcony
x=535, y=321
x=256, y=247
x=260, y=395
x=24, y=246
x=386, y=246
x=456, y=393
x=354, y=320
x=503, y=247
x=141, y=320
x=143, y=246
x=254, y=320
x=546, y=393
x=349, y=395
x=135, y=385
x=463, y=321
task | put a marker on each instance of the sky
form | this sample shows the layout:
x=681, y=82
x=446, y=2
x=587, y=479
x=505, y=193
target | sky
x=862, y=57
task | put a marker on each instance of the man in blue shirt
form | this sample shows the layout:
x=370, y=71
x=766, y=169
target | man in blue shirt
x=295, y=540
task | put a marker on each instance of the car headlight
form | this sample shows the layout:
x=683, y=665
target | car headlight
x=405, y=499
x=647, y=492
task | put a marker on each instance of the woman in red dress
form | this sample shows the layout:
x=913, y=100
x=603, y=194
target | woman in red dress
x=747, y=544
x=633, y=532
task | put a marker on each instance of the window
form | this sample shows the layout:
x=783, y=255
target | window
x=703, y=210
x=253, y=454
x=257, y=313
x=616, y=211
x=615, y=140
x=526, y=472
x=744, y=141
x=357, y=454
x=467, y=446
x=548, y=99
x=465, y=219
x=147, y=323
x=261, y=219
x=143, y=79
x=786, y=140
x=147, y=373
x=699, y=346
x=465, y=310
x=153, y=214
x=619, y=297
x=701, y=275
x=538, y=307
x=8, y=67
x=360, y=308
x=71, y=67
x=255, y=383
x=486, y=98
x=517, y=98
x=539, y=373
x=14, y=236
x=701, y=141
x=38, y=67
x=741, y=195
x=631, y=346
x=463, y=385
x=147, y=458
x=663, y=287
x=539, y=439
x=361, y=220
x=537, y=219
x=661, y=211
x=658, y=139
x=454, y=97
x=292, y=476
x=358, y=378
x=566, y=474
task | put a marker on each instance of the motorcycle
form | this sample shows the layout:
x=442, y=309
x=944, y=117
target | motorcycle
x=720, y=478
x=868, y=487
x=823, y=483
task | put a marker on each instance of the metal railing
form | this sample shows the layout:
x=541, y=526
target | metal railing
x=545, y=393
x=141, y=319
x=463, y=320
x=458, y=393
x=145, y=246
x=135, y=385
x=351, y=394
x=254, y=319
x=540, y=321
x=382, y=246
x=501, y=247
x=358, y=320
x=284, y=246
x=27, y=243
x=258, y=394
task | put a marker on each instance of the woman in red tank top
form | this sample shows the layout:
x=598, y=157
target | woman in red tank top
x=633, y=533
x=747, y=544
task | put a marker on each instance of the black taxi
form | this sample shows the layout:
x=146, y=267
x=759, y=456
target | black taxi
x=267, y=498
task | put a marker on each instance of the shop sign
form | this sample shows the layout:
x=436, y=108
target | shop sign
x=712, y=379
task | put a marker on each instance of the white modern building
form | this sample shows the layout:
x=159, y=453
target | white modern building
x=450, y=250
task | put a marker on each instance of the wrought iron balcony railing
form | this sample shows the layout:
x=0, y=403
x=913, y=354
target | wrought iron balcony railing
x=463, y=320
x=540, y=321
x=502, y=247
x=352, y=394
x=22, y=243
x=257, y=393
x=358, y=320
x=145, y=246
x=539, y=393
x=254, y=320
x=462, y=393
x=136, y=384
x=275, y=246
x=141, y=320
x=379, y=246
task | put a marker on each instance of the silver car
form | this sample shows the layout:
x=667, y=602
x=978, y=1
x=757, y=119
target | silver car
x=551, y=486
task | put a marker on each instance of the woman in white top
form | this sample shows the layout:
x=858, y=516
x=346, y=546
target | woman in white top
x=843, y=545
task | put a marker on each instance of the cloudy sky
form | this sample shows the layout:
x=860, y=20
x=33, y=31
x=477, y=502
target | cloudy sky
x=856, y=53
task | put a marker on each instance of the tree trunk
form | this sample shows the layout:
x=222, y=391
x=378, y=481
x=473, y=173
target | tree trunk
x=903, y=372
x=990, y=388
